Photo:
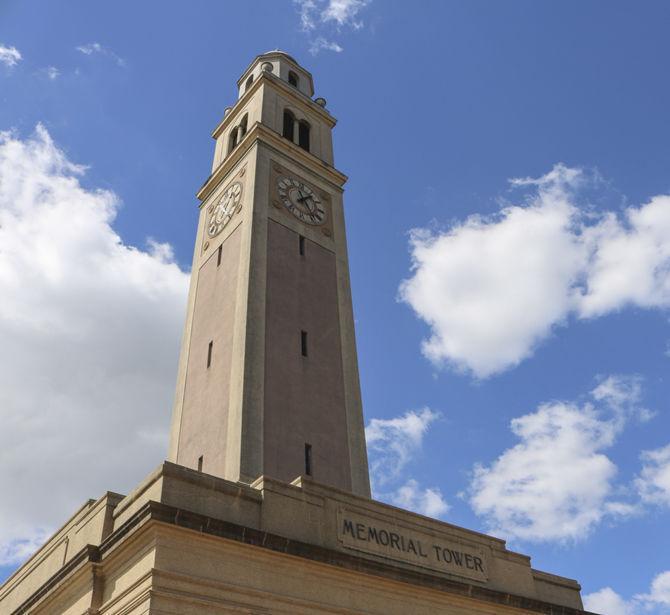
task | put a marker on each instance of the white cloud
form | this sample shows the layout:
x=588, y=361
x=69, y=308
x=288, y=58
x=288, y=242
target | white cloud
x=411, y=496
x=608, y=602
x=659, y=593
x=9, y=56
x=52, y=72
x=656, y=601
x=557, y=484
x=97, y=48
x=319, y=14
x=492, y=288
x=307, y=9
x=393, y=442
x=344, y=12
x=90, y=336
x=90, y=48
x=18, y=550
x=321, y=43
x=653, y=484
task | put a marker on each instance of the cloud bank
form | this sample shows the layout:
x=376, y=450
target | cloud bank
x=90, y=332
x=493, y=288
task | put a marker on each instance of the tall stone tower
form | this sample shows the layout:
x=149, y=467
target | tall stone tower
x=264, y=506
x=268, y=375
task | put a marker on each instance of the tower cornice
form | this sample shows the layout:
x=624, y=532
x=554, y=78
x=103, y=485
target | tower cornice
x=261, y=133
x=294, y=95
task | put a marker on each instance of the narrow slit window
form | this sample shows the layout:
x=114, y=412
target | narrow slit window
x=209, y=353
x=308, y=459
x=200, y=463
x=219, y=255
x=293, y=79
x=301, y=245
x=303, y=343
x=249, y=82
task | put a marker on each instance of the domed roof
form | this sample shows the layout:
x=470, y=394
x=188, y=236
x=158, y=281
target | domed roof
x=275, y=51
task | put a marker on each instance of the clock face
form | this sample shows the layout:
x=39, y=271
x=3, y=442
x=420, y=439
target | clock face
x=223, y=211
x=301, y=201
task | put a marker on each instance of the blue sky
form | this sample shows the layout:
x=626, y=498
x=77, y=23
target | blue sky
x=508, y=223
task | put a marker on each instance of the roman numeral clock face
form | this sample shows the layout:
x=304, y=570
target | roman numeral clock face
x=223, y=210
x=301, y=201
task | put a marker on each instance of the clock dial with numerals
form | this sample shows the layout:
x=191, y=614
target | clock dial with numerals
x=224, y=209
x=301, y=200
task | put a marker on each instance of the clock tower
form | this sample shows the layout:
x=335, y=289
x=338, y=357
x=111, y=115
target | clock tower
x=268, y=375
x=267, y=397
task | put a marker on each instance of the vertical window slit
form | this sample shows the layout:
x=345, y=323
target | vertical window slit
x=308, y=459
x=301, y=245
x=303, y=135
x=288, y=125
x=209, y=353
x=303, y=343
x=200, y=463
x=219, y=255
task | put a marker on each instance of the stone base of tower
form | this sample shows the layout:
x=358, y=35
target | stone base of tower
x=185, y=542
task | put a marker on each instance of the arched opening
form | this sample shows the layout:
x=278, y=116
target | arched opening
x=243, y=126
x=293, y=79
x=232, y=140
x=303, y=135
x=289, y=121
x=249, y=82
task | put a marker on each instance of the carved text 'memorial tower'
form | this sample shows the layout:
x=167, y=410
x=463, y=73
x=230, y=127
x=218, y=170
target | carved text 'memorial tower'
x=264, y=506
x=268, y=375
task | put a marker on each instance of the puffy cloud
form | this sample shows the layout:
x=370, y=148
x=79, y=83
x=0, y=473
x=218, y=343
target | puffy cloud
x=492, y=288
x=318, y=14
x=630, y=260
x=392, y=444
x=607, y=601
x=9, y=56
x=411, y=496
x=557, y=484
x=659, y=593
x=656, y=601
x=90, y=335
x=653, y=484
